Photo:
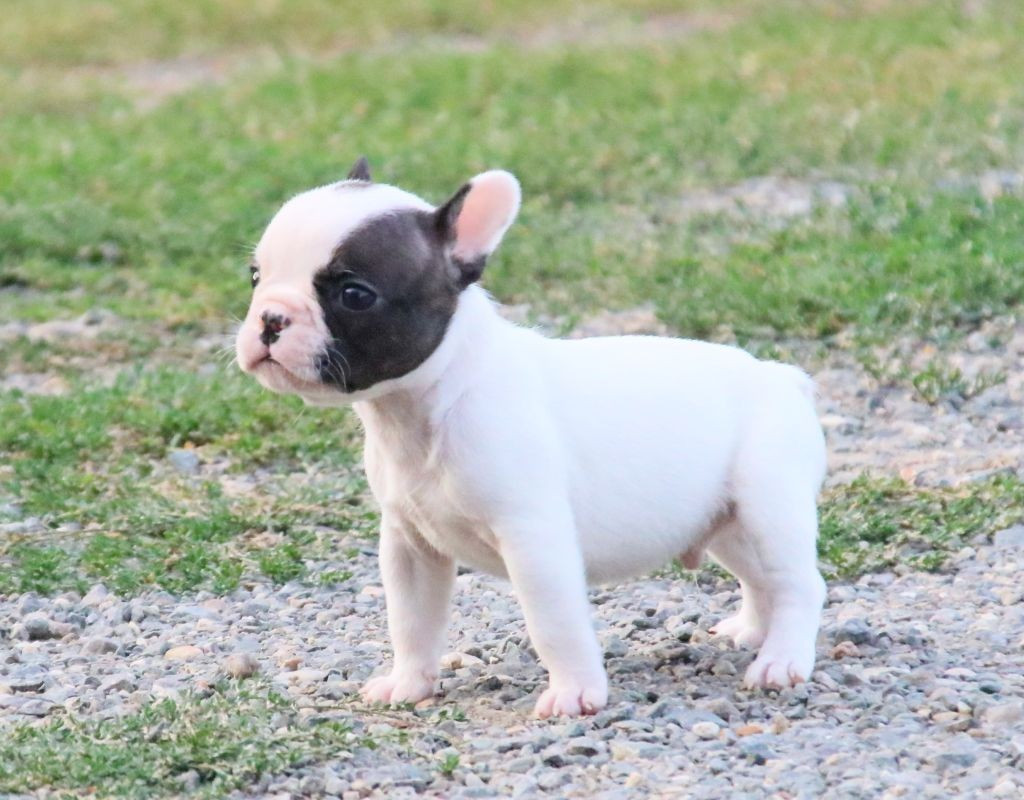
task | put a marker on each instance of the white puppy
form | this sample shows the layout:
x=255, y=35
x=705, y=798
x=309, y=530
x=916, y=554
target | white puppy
x=554, y=463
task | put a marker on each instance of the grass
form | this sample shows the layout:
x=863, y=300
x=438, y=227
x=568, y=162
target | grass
x=606, y=140
x=77, y=32
x=952, y=260
x=447, y=765
x=92, y=463
x=216, y=742
x=118, y=194
x=937, y=382
x=875, y=524
x=933, y=379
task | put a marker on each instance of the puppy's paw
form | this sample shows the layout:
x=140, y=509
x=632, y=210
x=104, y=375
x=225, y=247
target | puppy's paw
x=572, y=700
x=741, y=630
x=777, y=672
x=397, y=687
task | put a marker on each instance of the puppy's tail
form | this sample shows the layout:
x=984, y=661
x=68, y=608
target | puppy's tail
x=799, y=429
x=795, y=375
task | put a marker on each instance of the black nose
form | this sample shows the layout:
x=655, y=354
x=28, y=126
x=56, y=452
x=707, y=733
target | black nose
x=273, y=324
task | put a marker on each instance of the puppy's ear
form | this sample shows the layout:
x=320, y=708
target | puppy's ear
x=360, y=170
x=475, y=218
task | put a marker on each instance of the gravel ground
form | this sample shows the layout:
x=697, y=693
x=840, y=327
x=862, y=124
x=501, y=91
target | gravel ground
x=919, y=690
x=885, y=427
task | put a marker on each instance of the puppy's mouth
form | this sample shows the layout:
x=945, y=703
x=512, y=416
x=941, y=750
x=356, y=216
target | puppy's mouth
x=286, y=364
x=259, y=361
x=279, y=377
x=268, y=362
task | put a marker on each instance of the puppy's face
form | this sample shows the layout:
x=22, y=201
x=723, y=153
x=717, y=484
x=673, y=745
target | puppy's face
x=354, y=283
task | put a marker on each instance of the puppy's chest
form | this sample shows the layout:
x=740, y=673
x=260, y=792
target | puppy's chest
x=419, y=488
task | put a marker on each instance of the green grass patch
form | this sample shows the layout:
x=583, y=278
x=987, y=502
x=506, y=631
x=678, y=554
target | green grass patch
x=447, y=765
x=891, y=265
x=57, y=439
x=92, y=464
x=204, y=746
x=607, y=139
x=283, y=563
x=934, y=382
x=875, y=524
x=44, y=569
x=102, y=32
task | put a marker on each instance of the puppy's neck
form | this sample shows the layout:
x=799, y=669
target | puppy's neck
x=417, y=403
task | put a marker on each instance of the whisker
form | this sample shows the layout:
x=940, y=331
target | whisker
x=225, y=354
x=335, y=373
x=225, y=359
x=336, y=365
x=342, y=366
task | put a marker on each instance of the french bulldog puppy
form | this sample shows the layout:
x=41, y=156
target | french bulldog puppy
x=553, y=463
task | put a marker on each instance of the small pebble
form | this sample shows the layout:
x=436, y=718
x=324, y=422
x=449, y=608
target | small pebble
x=184, y=461
x=185, y=652
x=705, y=730
x=241, y=665
x=1009, y=538
x=37, y=627
x=99, y=645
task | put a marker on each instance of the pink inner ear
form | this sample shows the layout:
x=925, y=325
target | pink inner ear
x=487, y=211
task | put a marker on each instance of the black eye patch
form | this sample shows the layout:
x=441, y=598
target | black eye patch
x=386, y=295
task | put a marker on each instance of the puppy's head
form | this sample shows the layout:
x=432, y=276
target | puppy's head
x=355, y=283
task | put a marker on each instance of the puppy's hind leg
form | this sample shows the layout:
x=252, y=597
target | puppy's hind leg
x=788, y=587
x=732, y=548
x=771, y=548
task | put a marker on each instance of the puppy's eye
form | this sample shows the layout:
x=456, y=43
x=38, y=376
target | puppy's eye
x=254, y=274
x=357, y=297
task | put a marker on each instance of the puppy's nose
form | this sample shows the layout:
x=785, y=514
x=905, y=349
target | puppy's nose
x=273, y=324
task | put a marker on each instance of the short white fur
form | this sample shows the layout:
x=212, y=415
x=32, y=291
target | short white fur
x=561, y=463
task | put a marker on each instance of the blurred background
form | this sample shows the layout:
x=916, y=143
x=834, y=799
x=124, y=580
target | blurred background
x=804, y=178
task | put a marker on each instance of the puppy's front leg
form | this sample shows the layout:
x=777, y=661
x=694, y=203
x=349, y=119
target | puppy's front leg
x=417, y=589
x=545, y=566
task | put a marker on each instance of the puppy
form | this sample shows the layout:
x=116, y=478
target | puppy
x=552, y=463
